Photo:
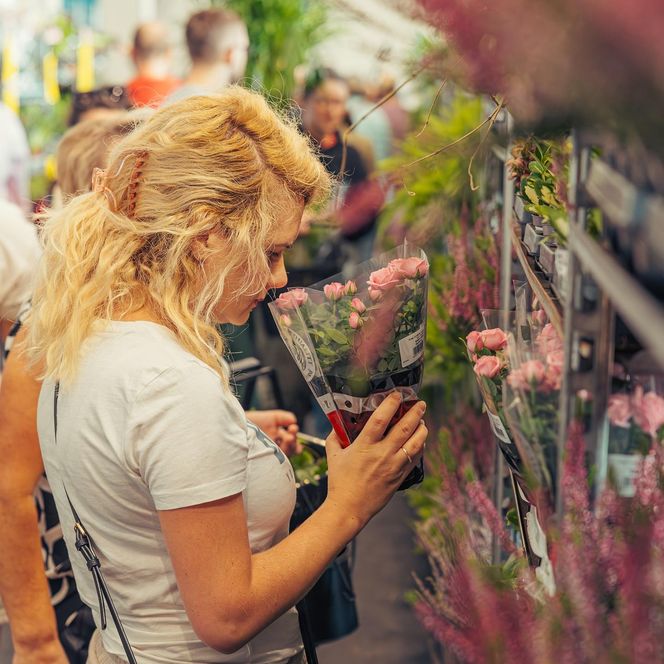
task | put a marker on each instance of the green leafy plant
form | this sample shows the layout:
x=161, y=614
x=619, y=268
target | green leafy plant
x=281, y=35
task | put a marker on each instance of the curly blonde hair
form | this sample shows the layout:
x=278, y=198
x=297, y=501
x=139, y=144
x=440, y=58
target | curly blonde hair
x=224, y=163
x=87, y=145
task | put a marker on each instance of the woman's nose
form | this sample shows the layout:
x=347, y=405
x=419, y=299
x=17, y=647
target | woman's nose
x=278, y=276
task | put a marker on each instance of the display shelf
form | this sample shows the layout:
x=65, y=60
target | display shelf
x=540, y=285
x=642, y=312
x=620, y=200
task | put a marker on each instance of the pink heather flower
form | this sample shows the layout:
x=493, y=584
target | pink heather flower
x=474, y=341
x=494, y=339
x=619, y=410
x=358, y=305
x=334, y=291
x=648, y=411
x=350, y=288
x=488, y=366
x=409, y=268
x=285, y=320
x=355, y=320
x=292, y=299
x=383, y=280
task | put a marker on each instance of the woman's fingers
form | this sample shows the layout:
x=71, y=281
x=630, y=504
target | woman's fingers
x=406, y=426
x=380, y=419
x=410, y=453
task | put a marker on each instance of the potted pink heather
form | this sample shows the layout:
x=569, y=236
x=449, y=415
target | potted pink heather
x=358, y=336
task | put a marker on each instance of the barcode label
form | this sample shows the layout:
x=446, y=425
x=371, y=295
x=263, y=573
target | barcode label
x=411, y=348
x=623, y=469
x=498, y=428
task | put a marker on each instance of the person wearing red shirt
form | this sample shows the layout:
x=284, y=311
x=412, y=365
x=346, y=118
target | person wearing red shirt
x=152, y=57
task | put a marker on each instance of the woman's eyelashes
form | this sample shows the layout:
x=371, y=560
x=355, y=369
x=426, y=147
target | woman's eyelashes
x=274, y=257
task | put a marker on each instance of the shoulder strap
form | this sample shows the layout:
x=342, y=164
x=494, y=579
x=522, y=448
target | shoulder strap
x=84, y=546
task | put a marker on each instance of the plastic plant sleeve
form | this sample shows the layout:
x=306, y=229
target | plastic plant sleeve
x=359, y=335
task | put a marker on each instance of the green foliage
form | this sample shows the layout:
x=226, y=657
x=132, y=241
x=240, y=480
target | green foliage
x=281, y=35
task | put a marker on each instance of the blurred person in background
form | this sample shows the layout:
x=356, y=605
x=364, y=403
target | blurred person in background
x=397, y=116
x=152, y=56
x=361, y=197
x=99, y=103
x=218, y=45
x=375, y=127
x=14, y=160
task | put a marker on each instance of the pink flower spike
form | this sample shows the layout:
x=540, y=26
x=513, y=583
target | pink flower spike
x=292, y=299
x=494, y=339
x=488, y=366
x=334, y=291
x=350, y=288
x=474, y=341
x=354, y=320
x=358, y=305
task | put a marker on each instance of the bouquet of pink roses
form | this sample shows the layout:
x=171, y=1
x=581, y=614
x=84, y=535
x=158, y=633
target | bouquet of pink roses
x=358, y=336
x=636, y=421
x=532, y=400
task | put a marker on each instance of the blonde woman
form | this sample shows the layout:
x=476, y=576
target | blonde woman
x=187, y=504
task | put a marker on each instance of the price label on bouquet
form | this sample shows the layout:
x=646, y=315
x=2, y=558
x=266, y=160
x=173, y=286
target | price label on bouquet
x=411, y=348
x=623, y=468
x=302, y=355
x=498, y=428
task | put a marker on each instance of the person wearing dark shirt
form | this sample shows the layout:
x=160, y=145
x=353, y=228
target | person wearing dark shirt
x=361, y=197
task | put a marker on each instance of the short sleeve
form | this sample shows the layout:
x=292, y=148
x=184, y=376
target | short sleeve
x=188, y=438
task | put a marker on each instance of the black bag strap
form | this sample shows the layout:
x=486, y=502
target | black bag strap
x=84, y=547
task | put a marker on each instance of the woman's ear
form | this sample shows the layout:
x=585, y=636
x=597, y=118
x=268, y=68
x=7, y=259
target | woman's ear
x=208, y=243
x=199, y=247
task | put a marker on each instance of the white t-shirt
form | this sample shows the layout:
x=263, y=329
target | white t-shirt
x=19, y=256
x=145, y=426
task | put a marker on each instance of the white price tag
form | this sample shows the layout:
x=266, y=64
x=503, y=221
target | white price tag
x=411, y=348
x=623, y=468
x=498, y=428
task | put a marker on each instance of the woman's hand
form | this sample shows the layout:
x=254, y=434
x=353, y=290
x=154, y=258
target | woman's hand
x=365, y=475
x=280, y=425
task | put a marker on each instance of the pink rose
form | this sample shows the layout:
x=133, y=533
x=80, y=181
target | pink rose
x=474, y=341
x=648, y=411
x=292, y=299
x=488, y=366
x=358, y=305
x=548, y=340
x=539, y=316
x=533, y=371
x=285, y=320
x=516, y=380
x=375, y=294
x=409, y=268
x=383, y=280
x=354, y=320
x=350, y=288
x=334, y=291
x=554, y=369
x=494, y=339
x=619, y=410
x=584, y=395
